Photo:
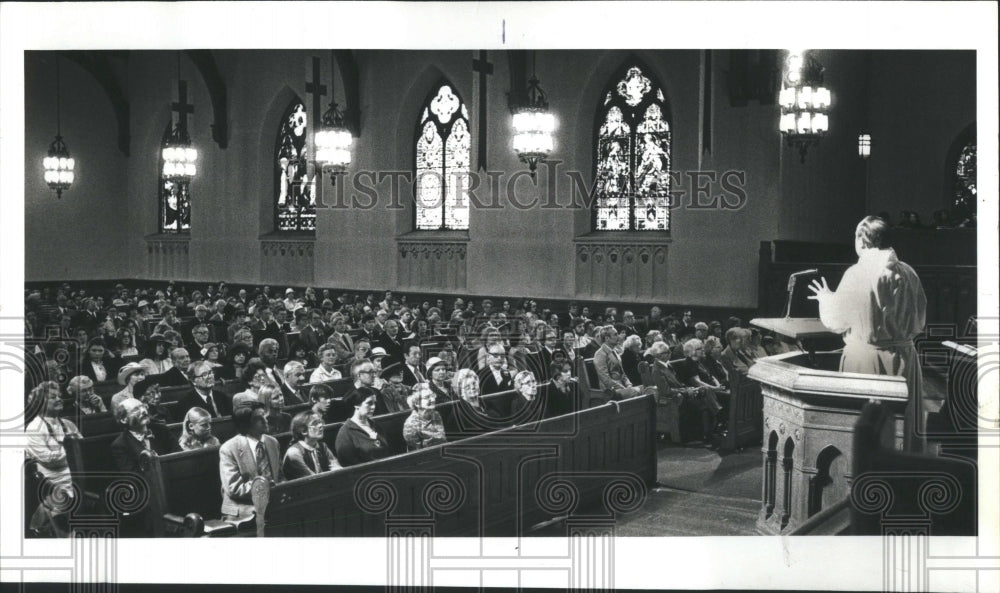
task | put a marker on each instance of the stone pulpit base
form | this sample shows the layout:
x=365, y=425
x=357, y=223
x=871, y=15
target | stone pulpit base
x=809, y=414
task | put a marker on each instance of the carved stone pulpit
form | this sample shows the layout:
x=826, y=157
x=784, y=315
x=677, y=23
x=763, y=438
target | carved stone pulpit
x=810, y=409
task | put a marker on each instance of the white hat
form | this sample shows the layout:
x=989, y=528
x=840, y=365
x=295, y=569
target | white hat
x=128, y=370
x=378, y=351
x=289, y=291
x=432, y=362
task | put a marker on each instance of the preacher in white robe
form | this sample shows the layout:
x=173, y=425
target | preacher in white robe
x=879, y=308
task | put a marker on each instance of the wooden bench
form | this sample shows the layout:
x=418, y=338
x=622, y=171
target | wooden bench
x=590, y=385
x=745, y=423
x=496, y=484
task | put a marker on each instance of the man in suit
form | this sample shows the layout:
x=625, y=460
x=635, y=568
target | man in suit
x=368, y=328
x=175, y=376
x=390, y=341
x=138, y=435
x=496, y=378
x=313, y=334
x=268, y=353
x=247, y=456
x=628, y=319
x=412, y=371
x=340, y=339
x=292, y=375
x=364, y=374
x=202, y=395
x=609, y=369
x=200, y=334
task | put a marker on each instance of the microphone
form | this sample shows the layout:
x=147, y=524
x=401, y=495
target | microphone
x=791, y=288
x=791, y=278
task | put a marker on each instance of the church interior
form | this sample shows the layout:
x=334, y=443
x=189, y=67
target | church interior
x=665, y=193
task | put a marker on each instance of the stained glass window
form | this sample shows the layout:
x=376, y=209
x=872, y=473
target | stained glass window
x=633, y=156
x=175, y=200
x=442, y=162
x=295, y=187
x=965, y=182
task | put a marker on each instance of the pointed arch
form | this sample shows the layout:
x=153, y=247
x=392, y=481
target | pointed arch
x=441, y=153
x=294, y=194
x=633, y=128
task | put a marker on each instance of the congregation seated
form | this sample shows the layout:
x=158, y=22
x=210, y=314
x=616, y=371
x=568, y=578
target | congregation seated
x=670, y=386
x=255, y=375
x=308, y=453
x=496, y=378
x=138, y=434
x=249, y=455
x=196, y=431
x=83, y=399
x=148, y=392
x=527, y=406
x=561, y=395
x=273, y=399
x=424, y=427
x=632, y=346
x=96, y=364
x=292, y=375
x=176, y=375
x=203, y=394
x=45, y=435
x=395, y=392
x=608, y=364
x=470, y=415
x=733, y=358
x=360, y=438
x=238, y=356
x=328, y=355
x=713, y=350
x=128, y=376
x=692, y=372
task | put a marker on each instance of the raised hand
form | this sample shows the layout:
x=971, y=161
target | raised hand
x=819, y=288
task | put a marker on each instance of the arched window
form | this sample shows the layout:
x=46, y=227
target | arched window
x=633, y=155
x=175, y=199
x=294, y=189
x=442, y=162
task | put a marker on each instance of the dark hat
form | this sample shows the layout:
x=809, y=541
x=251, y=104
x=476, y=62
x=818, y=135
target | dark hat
x=359, y=395
x=140, y=388
x=240, y=348
x=96, y=342
x=157, y=338
x=392, y=369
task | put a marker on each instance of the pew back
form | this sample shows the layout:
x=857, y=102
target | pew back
x=496, y=484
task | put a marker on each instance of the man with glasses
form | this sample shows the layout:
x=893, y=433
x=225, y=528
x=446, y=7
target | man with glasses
x=363, y=372
x=200, y=335
x=202, y=395
x=175, y=376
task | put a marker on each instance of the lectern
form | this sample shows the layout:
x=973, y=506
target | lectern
x=809, y=414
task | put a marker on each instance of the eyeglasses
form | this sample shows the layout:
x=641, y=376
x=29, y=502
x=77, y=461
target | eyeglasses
x=367, y=372
x=203, y=375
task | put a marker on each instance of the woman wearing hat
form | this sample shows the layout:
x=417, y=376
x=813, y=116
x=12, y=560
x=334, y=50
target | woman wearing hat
x=239, y=355
x=157, y=359
x=424, y=427
x=128, y=376
x=440, y=385
x=394, y=391
x=360, y=440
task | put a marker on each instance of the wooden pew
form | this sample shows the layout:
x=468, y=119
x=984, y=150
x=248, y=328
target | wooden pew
x=745, y=423
x=496, y=484
x=186, y=492
x=105, y=389
x=590, y=385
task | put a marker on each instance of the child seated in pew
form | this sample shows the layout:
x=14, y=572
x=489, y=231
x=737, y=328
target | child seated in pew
x=274, y=402
x=196, y=432
x=308, y=453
